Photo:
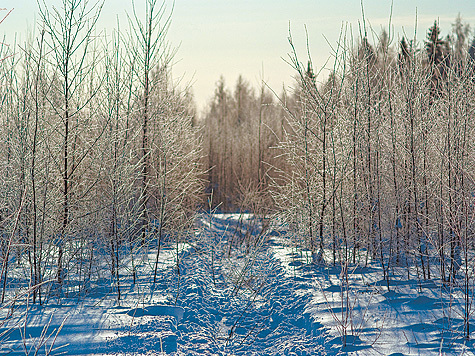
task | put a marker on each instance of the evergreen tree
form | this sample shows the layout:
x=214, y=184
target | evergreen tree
x=471, y=54
x=435, y=48
x=404, y=58
x=404, y=53
x=434, y=45
x=471, y=50
x=311, y=77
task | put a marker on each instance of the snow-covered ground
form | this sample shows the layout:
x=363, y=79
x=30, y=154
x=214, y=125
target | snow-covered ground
x=261, y=296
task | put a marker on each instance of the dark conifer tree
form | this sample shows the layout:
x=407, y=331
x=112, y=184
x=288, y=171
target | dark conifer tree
x=471, y=50
x=434, y=45
x=403, y=56
x=435, y=48
x=310, y=74
x=404, y=53
x=471, y=54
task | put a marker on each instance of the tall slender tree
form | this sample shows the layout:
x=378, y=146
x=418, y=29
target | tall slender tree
x=70, y=33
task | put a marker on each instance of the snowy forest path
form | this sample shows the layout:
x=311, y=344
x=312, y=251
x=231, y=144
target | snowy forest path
x=242, y=301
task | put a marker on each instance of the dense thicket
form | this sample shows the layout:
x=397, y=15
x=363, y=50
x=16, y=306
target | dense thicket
x=381, y=156
x=99, y=156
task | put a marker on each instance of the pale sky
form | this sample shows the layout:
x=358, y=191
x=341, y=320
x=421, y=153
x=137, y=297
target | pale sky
x=249, y=37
